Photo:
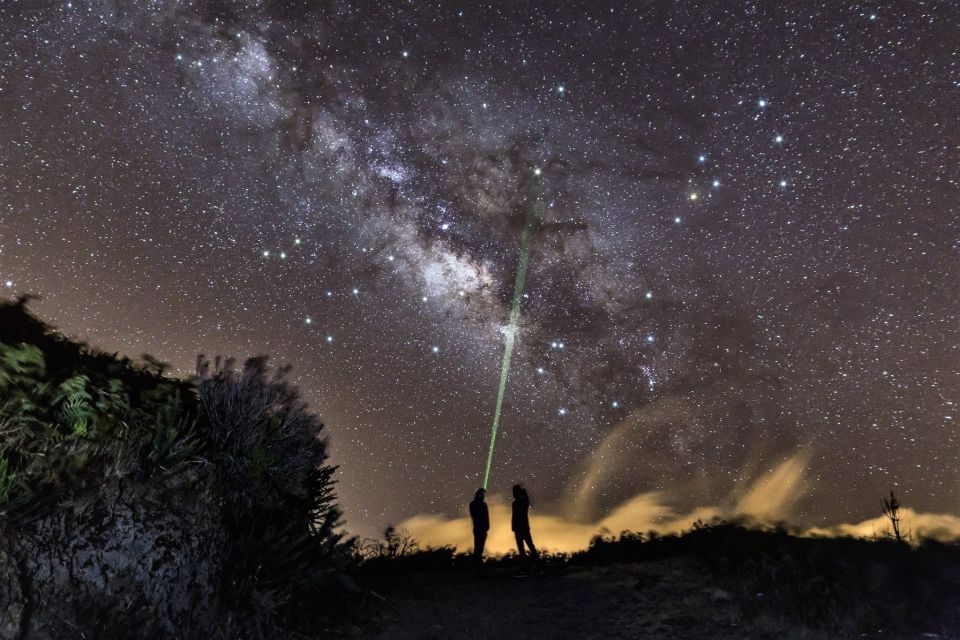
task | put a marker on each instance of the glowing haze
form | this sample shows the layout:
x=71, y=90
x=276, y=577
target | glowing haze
x=743, y=272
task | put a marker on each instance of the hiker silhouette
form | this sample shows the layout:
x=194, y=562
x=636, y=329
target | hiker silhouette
x=481, y=524
x=520, y=523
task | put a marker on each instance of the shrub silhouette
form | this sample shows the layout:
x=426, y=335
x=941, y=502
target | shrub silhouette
x=279, y=508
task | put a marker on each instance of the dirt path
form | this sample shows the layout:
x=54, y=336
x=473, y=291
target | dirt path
x=656, y=600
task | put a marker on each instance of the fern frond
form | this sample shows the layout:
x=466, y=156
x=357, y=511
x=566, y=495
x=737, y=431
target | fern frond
x=21, y=363
x=73, y=402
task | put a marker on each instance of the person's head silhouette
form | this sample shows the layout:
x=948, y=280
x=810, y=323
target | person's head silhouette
x=479, y=495
x=517, y=491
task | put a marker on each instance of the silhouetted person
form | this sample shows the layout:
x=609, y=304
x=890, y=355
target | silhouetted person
x=520, y=523
x=481, y=524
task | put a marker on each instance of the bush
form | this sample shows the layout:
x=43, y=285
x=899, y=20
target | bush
x=276, y=488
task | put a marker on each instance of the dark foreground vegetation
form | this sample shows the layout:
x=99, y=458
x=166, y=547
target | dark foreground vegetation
x=135, y=505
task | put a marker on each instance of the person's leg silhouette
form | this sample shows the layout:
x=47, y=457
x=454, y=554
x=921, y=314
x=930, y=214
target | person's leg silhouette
x=520, y=538
x=528, y=539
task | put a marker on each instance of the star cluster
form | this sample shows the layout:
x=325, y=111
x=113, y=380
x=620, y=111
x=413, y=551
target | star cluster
x=746, y=245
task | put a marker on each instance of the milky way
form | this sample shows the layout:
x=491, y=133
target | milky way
x=748, y=247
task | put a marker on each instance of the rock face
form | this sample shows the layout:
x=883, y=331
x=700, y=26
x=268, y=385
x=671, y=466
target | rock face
x=125, y=562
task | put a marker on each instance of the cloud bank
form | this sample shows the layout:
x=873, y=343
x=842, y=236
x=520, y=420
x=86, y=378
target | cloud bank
x=766, y=502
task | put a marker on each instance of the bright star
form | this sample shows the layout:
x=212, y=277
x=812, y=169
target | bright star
x=676, y=220
x=296, y=241
x=716, y=183
x=650, y=338
x=702, y=158
x=266, y=254
x=778, y=139
x=355, y=291
x=435, y=349
x=445, y=226
x=536, y=172
x=615, y=404
x=9, y=283
x=694, y=196
x=762, y=103
x=329, y=339
x=405, y=54
x=561, y=89
x=562, y=411
x=308, y=320
x=783, y=183
x=540, y=370
x=649, y=295
x=283, y=255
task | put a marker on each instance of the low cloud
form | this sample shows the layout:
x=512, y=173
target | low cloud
x=765, y=501
x=934, y=526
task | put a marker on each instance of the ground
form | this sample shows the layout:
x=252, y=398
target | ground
x=653, y=600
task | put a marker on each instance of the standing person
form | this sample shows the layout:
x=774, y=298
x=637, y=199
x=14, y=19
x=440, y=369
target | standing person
x=481, y=524
x=520, y=523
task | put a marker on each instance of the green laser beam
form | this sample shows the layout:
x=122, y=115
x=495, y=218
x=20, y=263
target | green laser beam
x=512, y=328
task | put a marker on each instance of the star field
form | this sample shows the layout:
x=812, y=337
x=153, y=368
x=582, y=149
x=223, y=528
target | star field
x=747, y=244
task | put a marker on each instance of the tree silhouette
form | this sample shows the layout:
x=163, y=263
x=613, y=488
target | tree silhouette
x=891, y=509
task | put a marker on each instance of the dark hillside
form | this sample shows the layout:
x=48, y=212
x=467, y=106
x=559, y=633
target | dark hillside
x=718, y=580
x=136, y=505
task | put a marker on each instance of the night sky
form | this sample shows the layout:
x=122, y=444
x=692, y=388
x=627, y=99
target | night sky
x=746, y=251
